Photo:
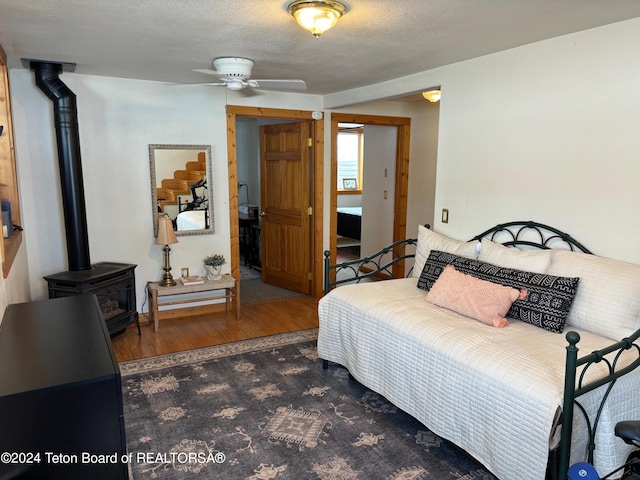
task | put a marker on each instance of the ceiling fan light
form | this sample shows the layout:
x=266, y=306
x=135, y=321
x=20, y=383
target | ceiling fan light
x=432, y=95
x=234, y=85
x=317, y=16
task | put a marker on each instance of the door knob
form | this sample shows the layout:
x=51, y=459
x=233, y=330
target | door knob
x=263, y=214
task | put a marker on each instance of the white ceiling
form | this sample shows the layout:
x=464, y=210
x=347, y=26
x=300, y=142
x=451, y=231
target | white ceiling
x=376, y=40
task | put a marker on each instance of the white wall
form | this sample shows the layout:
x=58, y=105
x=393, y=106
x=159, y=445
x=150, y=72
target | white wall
x=422, y=165
x=377, y=211
x=350, y=200
x=118, y=119
x=544, y=132
x=548, y=132
x=248, y=160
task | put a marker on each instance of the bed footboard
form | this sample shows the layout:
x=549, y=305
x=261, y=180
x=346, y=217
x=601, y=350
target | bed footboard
x=575, y=369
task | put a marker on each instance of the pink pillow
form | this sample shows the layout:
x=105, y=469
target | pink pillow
x=479, y=299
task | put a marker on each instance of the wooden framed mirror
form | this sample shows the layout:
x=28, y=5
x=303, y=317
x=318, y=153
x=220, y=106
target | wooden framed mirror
x=181, y=187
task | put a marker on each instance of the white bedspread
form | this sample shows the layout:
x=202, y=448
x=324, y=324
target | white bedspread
x=357, y=211
x=495, y=392
x=191, y=220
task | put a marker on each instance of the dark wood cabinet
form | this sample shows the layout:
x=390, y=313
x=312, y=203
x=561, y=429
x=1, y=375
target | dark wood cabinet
x=60, y=392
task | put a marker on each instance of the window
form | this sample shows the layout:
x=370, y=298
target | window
x=350, y=153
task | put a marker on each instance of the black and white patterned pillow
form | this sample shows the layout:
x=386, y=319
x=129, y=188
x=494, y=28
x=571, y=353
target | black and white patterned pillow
x=549, y=297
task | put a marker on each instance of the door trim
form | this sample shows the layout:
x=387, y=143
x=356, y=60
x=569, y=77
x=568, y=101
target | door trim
x=317, y=185
x=401, y=181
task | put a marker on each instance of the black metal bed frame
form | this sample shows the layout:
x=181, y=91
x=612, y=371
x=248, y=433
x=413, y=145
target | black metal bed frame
x=379, y=265
x=518, y=234
x=526, y=234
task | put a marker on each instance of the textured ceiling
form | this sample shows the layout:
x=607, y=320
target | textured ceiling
x=376, y=40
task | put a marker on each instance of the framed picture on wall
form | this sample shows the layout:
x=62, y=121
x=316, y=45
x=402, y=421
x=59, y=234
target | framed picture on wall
x=349, y=184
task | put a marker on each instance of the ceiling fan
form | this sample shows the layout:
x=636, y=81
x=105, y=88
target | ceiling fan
x=235, y=74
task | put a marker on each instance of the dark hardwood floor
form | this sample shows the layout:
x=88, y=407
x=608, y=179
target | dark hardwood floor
x=346, y=254
x=197, y=331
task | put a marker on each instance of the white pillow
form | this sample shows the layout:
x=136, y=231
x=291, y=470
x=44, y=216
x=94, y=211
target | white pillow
x=429, y=240
x=535, y=261
x=608, y=299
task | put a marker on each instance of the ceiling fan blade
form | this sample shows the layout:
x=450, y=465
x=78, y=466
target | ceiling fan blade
x=206, y=70
x=280, y=84
x=218, y=84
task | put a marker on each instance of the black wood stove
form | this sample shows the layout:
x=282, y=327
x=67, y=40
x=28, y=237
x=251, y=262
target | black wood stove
x=113, y=283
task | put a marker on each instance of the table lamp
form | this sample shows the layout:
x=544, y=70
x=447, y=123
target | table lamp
x=166, y=236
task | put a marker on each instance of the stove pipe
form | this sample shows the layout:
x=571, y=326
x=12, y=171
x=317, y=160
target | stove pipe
x=65, y=116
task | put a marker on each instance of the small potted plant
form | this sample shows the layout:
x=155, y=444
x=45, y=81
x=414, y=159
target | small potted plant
x=213, y=265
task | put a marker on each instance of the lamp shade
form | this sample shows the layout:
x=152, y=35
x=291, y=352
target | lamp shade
x=166, y=235
x=317, y=16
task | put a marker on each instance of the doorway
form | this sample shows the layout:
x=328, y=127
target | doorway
x=315, y=182
x=398, y=191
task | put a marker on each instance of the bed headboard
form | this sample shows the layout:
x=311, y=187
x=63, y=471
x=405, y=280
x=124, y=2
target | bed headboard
x=531, y=234
x=526, y=234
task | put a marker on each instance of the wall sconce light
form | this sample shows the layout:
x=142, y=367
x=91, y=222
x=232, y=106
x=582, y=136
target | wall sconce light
x=166, y=236
x=432, y=95
x=317, y=16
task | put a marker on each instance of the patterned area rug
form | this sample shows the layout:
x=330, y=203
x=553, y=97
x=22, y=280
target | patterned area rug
x=265, y=409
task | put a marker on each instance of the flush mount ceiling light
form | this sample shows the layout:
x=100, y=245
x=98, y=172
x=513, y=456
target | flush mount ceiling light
x=317, y=16
x=432, y=95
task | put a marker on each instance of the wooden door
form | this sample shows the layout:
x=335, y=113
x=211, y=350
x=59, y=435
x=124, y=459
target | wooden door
x=285, y=204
